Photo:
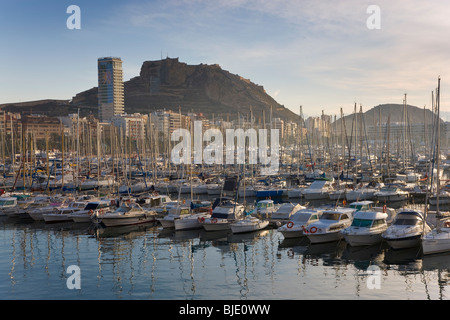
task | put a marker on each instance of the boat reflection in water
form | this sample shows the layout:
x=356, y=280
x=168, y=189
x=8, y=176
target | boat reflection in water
x=147, y=261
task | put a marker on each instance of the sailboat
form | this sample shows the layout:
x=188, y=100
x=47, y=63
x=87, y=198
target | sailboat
x=438, y=239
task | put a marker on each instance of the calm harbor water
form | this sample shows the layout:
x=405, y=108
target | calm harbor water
x=146, y=262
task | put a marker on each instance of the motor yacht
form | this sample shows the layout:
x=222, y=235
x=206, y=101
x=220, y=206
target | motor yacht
x=176, y=212
x=284, y=212
x=407, y=229
x=329, y=224
x=298, y=222
x=84, y=215
x=248, y=224
x=391, y=193
x=223, y=215
x=366, y=228
x=125, y=215
x=318, y=190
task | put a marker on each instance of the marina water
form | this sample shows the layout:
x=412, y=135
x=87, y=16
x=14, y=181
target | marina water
x=145, y=262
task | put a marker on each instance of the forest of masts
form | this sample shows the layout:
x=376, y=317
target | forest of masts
x=342, y=146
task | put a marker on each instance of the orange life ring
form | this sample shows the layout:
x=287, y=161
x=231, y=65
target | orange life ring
x=91, y=212
x=290, y=224
x=313, y=229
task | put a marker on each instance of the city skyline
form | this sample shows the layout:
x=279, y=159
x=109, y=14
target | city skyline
x=322, y=56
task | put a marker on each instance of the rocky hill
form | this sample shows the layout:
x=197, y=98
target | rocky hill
x=208, y=89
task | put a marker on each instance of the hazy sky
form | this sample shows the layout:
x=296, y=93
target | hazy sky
x=319, y=54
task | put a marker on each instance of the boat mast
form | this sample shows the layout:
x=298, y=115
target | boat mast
x=438, y=147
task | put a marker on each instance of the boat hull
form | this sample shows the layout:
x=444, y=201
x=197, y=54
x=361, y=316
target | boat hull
x=167, y=223
x=392, y=197
x=247, y=227
x=127, y=221
x=324, y=237
x=81, y=218
x=355, y=240
x=190, y=222
x=436, y=242
x=315, y=195
x=220, y=225
x=293, y=233
x=51, y=217
x=404, y=243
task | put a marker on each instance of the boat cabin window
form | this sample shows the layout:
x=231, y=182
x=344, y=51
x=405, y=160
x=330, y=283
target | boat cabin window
x=407, y=222
x=265, y=204
x=361, y=207
x=363, y=223
x=91, y=206
x=378, y=222
x=366, y=223
x=344, y=217
x=331, y=216
x=6, y=202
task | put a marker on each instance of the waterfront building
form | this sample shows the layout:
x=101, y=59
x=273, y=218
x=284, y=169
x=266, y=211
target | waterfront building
x=110, y=88
x=40, y=125
x=132, y=124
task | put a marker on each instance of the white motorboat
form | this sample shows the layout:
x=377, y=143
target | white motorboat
x=318, y=190
x=84, y=215
x=176, y=212
x=191, y=221
x=7, y=204
x=19, y=211
x=265, y=208
x=391, y=193
x=407, y=230
x=154, y=201
x=125, y=215
x=298, y=222
x=36, y=213
x=438, y=239
x=366, y=192
x=248, y=224
x=223, y=215
x=366, y=228
x=284, y=213
x=60, y=214
x=329, y=224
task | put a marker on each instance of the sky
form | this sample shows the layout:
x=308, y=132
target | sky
x=321, y=55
